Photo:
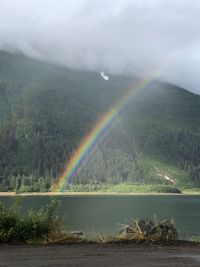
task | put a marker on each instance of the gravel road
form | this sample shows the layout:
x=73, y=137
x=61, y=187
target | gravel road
x=99, y=255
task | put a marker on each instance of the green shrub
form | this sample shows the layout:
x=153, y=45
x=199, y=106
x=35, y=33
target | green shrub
x=17, y=226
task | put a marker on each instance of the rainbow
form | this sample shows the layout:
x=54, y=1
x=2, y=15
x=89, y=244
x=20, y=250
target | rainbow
x=97, y=133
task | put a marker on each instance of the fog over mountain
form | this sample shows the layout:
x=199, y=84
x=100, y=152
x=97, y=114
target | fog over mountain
x=118, y=36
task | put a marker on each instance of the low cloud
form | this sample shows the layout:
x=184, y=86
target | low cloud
x=118, y=36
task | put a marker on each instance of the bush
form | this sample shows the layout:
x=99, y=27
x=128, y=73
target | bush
x=16, y=226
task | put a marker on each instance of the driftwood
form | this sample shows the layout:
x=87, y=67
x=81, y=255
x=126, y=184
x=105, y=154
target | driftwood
x=78, y=233
x=148, y=230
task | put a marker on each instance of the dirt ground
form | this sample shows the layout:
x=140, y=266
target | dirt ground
x=94, y=255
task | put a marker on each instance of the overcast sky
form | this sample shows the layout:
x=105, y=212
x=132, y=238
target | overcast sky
x=117, y=36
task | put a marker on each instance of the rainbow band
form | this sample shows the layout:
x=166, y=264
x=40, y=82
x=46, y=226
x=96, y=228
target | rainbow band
x=89, y=142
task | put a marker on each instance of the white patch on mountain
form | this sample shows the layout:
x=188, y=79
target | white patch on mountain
x=104, y=76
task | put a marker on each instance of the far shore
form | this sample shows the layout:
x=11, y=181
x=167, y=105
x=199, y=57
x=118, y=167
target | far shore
x=9, y=194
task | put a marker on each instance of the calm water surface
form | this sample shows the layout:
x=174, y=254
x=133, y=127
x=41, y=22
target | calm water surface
x=104, y=214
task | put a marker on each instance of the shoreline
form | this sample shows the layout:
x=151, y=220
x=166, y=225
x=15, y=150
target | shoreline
x=9, y=194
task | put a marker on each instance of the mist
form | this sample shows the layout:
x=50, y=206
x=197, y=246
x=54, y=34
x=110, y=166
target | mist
x=118, y=36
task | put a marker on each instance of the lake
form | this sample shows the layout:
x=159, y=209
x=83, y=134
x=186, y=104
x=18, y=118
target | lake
x=104, y=214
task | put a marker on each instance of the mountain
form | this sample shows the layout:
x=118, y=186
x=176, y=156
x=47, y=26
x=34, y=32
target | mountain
x=46, y=110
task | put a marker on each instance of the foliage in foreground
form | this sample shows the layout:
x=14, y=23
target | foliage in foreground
x=148, y=230
x=29, y=226
x=143, y=231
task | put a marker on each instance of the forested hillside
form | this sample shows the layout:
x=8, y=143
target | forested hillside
x=45, y=111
